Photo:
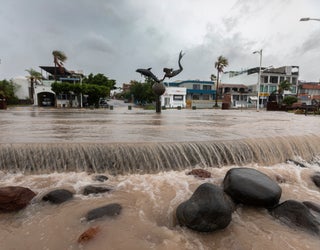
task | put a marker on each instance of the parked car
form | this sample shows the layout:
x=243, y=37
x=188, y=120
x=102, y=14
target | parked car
x=103, y=103
x=46, y=102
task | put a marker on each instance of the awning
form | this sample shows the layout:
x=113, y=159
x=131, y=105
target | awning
x=254, y=98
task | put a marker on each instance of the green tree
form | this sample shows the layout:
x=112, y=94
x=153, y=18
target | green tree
x=220, y=64
x=64, y=87
x=59, y=58
x=101, y=80
x=94, y=91
x=7, y=91
x=142, y=92
x=289, y=100
x=284, y=85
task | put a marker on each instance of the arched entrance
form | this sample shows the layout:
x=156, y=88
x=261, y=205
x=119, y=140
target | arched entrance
x=46, y=99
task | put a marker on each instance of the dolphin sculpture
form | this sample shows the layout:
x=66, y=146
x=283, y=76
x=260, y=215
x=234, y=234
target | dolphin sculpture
x=148, y=73
x=169, y=72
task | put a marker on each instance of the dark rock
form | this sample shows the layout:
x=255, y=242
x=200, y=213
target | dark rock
x=296, y=213
x=314, y=208
x=14, y=198
x=251, y=187
x=110, y=210
x=208, y=209
x=101, y=178
x=312, y=205
x=58, y=196
x=316, y=179
x=90, y=189
x=200, y=173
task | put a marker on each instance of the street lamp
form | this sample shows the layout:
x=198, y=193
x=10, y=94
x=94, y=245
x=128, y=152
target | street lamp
x=259, y=79
x=303, y=19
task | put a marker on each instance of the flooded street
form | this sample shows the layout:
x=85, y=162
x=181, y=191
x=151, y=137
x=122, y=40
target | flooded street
x=146, y=157
x=45, y=125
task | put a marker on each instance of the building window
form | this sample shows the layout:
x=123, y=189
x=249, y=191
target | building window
x=206, y=87
x=196, y=86
x=281, y=78
x=206, y=97
x=177, y=97
x=62, y=97
x=273, y=79
x=263, y=88
x=195, y=97
x=294, y=89
x=272, y=89
x=294, y=80
x=265, y=79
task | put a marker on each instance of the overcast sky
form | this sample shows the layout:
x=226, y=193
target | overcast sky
x=115, y=37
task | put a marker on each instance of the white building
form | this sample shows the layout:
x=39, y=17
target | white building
x=199, y=94
x=269, y=80
x=40, y=95
x=174, y=97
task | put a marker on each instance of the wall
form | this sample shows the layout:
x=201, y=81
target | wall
x=170, y=98
x=22, y=91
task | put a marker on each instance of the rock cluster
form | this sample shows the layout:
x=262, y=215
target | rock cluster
x=15, y=198
x=210, y=207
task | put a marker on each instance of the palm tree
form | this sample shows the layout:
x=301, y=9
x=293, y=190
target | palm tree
x=59, y=58
x=285, y=85
x=220, y=64
x=33, y=76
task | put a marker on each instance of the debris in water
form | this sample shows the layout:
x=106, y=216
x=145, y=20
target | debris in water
x=89, y=234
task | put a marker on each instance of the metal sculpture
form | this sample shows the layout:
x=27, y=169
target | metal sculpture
x=158, y=88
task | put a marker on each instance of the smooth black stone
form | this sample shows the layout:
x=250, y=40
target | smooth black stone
x=95, y=189
x=101, y=178
x=208, y=209
x=251, y=187
x=316, y=179
x=295, y=213
x=109, y=210
x=58, y=196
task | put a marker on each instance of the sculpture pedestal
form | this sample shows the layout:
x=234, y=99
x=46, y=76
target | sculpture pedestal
x=158, y=88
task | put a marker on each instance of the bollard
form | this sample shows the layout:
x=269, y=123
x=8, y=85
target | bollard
x=111, y=107
x=194, y=107
x=129, y=107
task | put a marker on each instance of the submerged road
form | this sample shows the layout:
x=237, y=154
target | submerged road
x=50, y=125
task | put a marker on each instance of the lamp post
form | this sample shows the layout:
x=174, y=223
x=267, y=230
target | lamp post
x=259, y=75
x=303, y=19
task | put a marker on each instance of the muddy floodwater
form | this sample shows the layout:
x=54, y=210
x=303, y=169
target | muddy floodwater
x=44, y=125
x=146, y=157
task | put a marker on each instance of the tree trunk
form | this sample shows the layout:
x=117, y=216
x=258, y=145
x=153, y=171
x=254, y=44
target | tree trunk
x=217, y=90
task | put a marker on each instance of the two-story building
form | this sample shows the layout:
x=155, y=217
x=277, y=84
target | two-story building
x=270, y=78
x=308, y=91
x=199, y=94
x=46, y=97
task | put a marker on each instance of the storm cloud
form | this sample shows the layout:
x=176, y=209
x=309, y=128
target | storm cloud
x=115, y=37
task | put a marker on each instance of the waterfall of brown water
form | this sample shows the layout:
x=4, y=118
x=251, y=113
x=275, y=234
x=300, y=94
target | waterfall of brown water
x=150, y=157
